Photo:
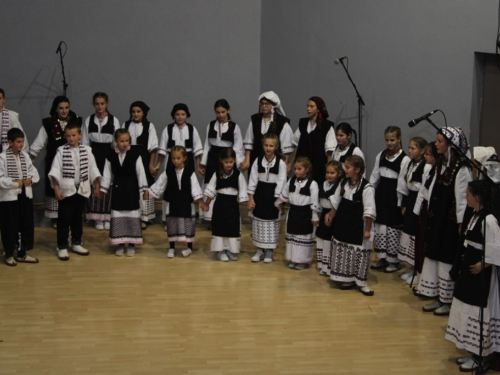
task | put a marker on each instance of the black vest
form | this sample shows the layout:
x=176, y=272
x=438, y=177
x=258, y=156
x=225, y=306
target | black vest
x=143, y=139
x=188, y=143
x=227, y=136
x=125, y=186
x=393, y=165
x=348, y=153
x=304, y=190
x=276, y=127
x=418, y=174
x=230, y=182
x=275, y=169
x=328, y=193
x=108, y=128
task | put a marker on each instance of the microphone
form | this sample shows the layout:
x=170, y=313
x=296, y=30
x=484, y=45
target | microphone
x=339, y=60
x=59, y=47
x=414, y=122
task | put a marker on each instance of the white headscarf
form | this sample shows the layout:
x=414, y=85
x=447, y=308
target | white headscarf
x=273, y=97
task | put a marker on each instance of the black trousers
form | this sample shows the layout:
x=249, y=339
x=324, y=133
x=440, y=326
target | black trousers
x=16, y=218
x=70, y=216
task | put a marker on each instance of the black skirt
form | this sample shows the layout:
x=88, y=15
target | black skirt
x=226, y=216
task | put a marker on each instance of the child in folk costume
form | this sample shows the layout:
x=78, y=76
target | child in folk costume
x=324, y=234
x=97, y=132
x=390, y=164
x=17, y=174
x=301, y=191
x=180, y=133
x=52, y=135
x=470, y=294
x=354, y=212
x=73, y=171
x=124, y=173
x=230, y=188
x=181, y=187
x=315, y=138
x=445, y=214
x=10, y=119
x=265, y=183
x=143, y=138
x=221, y=133
x=409, y=186
x=345, y=147
x=420, y=210
x=270, y=119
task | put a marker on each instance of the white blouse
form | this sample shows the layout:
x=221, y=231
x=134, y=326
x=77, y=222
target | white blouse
x=279, y=179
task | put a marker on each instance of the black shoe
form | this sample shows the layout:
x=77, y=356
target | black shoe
x=382, y=263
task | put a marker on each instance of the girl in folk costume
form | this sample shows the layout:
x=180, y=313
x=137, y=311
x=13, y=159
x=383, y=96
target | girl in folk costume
x=345, y=147
x=52, y=135
x=181, y=187
x=143, y=138
x=481, y=238
x=324, y=234
x=73, y=171
x=314, y=132
x=445, y=214
x=124, y=173
x=265, y=183
x=270, y=119
x=97, y=132
x=230, y=187
x=301, y=191
x=221, y=133
x=390, y=164
x=17, y=174
x=180, y=133
x=354, y=212
x=409, y=186
x=9, y=120
x=420, y=210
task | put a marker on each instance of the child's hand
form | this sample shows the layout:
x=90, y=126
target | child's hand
x=201, y=170
x=403, y=210
x=315, y=223
x=98, y=193
x=27, y=182
x=153, y=171
x=280, y=207
x=145, y=196
x=367, y=235
x=20, y=183
x=328, y=220
x=58, y=195
x=244, y=165
x=251, y=205
x=204, y=207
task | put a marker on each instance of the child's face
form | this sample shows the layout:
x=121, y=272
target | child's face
x=100, y=105
x=312, y=109
x=265, y=107
x=178, y=159
x=472, y=200
x=392, y=141
x=342, y=138
x=73, y=137
x=300, y=170
x=180, y=117
x=429, y=158
x=270, y=147
x=331, y=174
x=350, y=171
x=415, y=153
x=441, y=144
x=62, y=110
x=16, y=145
x=123, y=142
x=2, y=100
x=221, y=114
x=137, y=114
x=228, y=164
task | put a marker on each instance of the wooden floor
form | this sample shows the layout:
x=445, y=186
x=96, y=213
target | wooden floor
x=151, y=315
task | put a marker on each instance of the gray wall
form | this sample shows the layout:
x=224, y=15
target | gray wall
x=161, y=52
x=406, y=57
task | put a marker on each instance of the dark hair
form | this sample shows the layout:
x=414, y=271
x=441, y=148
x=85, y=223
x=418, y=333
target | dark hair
x=2, y=92
x=337, y=165
x=420, y=142
x=489, y=195
x=394, y=129
x=320, y=104
x=72, y=126
x=224, y=104
x=433, y=149
x=180, y=149
x=14, y=133
x=304, y=160
x=357, y=162
x=227, y=152
x=120, y=132
x=275, y=138
x=143, y=106
x=180, y=107
x=100, y=95
x=347, y=130
x=55, y=103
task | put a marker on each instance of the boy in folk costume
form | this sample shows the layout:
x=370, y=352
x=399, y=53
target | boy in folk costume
x=9, y=120
x=17, y=174
x=72, y=172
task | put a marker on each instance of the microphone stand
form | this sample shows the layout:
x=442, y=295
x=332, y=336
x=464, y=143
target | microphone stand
x=65, y=85
x=361, y=103
x=482, y=281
